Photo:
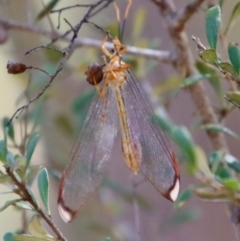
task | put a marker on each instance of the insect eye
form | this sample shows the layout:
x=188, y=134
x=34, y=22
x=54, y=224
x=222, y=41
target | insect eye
x=112, y=50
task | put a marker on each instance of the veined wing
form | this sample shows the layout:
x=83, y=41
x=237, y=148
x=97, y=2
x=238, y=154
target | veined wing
x=90, y=155
x=157, y=162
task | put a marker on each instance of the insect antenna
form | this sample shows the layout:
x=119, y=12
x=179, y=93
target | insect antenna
x=121, y=29
x=125, y=17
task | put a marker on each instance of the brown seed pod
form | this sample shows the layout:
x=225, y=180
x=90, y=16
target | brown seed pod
x=15, y=68
x=94, y=72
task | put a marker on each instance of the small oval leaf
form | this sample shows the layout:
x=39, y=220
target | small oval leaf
x=212, y=25
x=232, y=162
x=43, y=187
x=220, y=128
x=9, y=203
x=25, y=206
x=235, y=14
x=3, y=151
x=234, y=96
x=209, y=56
x=10, y=159
x=234, y=56
x=184, y=139
x=25, y=237
x=10, y=128
x=231, y=184
x=183, y=197
x=46, y=10
x=8, y=237
x=139, y=22
x=30, y=148
x=36, y=229
x=213, y=78
x=106, y=239
x=202, y=162
x=193, y=79
x=225, y=66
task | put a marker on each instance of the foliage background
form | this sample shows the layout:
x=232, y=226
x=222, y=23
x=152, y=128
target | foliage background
x=108, y=213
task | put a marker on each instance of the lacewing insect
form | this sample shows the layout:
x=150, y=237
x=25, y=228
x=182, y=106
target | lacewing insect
x=119, y=99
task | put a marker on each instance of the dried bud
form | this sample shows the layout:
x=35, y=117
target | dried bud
x=16, y=68
x=94, y=72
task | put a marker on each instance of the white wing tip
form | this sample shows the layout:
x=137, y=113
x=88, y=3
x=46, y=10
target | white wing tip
x=173, y=194
x=65, y=214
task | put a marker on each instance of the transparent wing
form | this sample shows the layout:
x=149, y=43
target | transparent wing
x=157, y=162
x=89, y=156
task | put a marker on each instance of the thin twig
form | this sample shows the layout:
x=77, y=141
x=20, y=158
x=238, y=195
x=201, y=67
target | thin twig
x=186, y=13
x=68, y=49
x=160, y=55
x=23, y=192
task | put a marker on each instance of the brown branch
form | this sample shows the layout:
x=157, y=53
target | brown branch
x=164, y=56
x=185, y=63
x=186, y=13
x=68, y=50
x=23, y=192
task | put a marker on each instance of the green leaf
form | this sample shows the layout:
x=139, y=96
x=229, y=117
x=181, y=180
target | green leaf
x=182, y=217
x=220, y=128
x=162, y=119
x=232, y=162
x=234, y=56
x=231, y=184
x=234, y=96
x=4, y=178
x=24, y=205
x=25, y=237
x=43, y=187
x=31, y=147
x=172, y=82
x=64, y=124
x=215, y=159
x=213, y=78
x=7, y=236
x=36, y=229
x=10, y=130
x=212, y=25
x=235, y=14
x=202, y=162
x=55, y=174
x=139, y=22
x=193, y=79
x=209, y=56
x=51, y=4
x=10, y=160
x=80, y=105
x=106, y=239
x=9, y=203
x=184, y=139
x=217, y=163
x=221, y=3
x=183, y=197
x=31, y=174
x=223, y=172
x=225, y=66
x=3, y=151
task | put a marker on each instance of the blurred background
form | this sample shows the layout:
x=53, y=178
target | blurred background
x=118, y=209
